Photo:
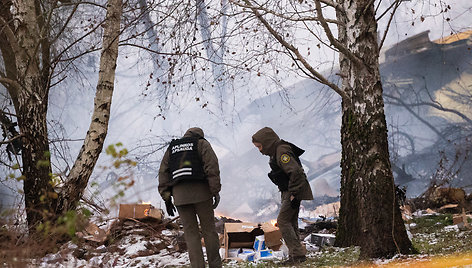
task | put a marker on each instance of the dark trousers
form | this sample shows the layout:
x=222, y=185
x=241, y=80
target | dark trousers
x=288, y=225
x=188, y=215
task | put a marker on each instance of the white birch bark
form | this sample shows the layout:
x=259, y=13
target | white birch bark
x=369, y=215
x=81, y=171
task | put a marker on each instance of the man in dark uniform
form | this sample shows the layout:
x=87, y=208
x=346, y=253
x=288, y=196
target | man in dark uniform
x=288, y=174
x=189, y=173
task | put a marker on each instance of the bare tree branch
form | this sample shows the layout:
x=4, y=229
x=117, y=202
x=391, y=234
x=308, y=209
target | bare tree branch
x=66, y=23
x=293, y=49
x=333, y=40
x=332, y=4
x=422, y=120
x=12, y=139
x=396, y=4
x=9, y=82
x=437, y=106
x=10, y=36
x=289, y=18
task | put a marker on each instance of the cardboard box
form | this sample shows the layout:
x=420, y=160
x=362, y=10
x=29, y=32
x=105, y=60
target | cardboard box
x=243, y=235
x=272, y=236
x=93, y=233
x=240, y=235
x=322, y=239
x=139, y=211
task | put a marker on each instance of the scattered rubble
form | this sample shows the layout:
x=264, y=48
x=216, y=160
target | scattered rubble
x=448, y=199
x=159, y=241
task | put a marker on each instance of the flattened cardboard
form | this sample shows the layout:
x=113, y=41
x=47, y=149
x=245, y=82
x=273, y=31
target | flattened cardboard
x=139, y=211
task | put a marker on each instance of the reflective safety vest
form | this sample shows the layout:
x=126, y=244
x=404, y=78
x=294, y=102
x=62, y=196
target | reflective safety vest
x=277, y=175
x=184, y=161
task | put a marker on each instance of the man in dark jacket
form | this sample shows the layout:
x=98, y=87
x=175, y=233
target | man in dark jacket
x=189, y=173
x=288, y=174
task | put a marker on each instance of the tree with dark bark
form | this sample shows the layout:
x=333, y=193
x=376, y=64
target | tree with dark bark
x=27, y=81
x=369, y=215
x=29, y=53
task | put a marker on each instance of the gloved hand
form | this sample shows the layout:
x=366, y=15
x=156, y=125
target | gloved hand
x=295, y=203
x=216, y=200
x=170, y=207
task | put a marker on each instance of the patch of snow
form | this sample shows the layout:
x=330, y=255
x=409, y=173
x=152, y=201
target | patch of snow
x=167, y=232
x=135, y=248
x=450, y=228
x=423, y=213
x=408, y=233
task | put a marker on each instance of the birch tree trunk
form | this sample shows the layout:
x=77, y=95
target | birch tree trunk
x=369, y=215
x=83, y=167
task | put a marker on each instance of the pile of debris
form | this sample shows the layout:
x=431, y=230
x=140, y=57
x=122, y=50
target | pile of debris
x=442, y=200
x=141, y=235
x=436, y=198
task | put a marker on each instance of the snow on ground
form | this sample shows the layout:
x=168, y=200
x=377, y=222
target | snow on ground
x=134, y=250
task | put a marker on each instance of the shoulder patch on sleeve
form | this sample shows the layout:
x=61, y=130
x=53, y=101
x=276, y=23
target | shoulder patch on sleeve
x=285, y=158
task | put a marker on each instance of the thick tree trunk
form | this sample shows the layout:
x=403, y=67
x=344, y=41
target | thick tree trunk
x=369, y=215
x=83, y=167
x=31, y=108
x=40, y=197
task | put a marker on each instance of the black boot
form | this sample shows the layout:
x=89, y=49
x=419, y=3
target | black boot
x=294, y=260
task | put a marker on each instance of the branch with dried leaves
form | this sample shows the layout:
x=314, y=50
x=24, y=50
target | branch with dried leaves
x=298, y=57
x=285, y=17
